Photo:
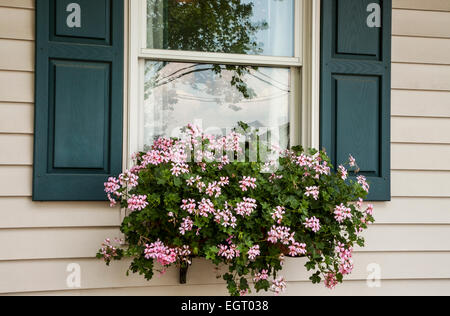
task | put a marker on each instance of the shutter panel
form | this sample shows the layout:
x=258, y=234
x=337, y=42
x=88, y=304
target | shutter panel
x=355, y=89
x=79, y=98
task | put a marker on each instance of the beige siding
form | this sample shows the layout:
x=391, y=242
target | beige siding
x=409, y=240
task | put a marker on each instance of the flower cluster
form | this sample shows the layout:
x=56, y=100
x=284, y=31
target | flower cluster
x=247, y=182
x=313, y=223
x=279, y=285
x=229, y=251
x=278, y=214
x=254, y=252
x=137, y=202
x=342, y=213
x=297, y=249
x=161, y=253
x=188, y=197
x=109, y=251
x=312, y=191
x=345, y=257
x=247, y=207
x=282, y=234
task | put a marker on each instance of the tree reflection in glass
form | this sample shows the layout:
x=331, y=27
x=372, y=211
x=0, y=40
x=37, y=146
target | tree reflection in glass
x=254, y=27
x=219, y=95
x=182, y=93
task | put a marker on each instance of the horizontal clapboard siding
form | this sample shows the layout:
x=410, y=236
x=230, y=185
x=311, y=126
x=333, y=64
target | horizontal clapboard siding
x=16, y=86
x=413, y=210
x=420, y=157
x=421, y=77
x=52, y=274
x=420, y=130
x=421, y=103
x=16, y=23
x=388, y=288
x=16, y=55
x=16, y=118
x=66, y=243
x=21, y=212
x=421, y=50
x=421, y=23
x=27, y=4
x=432, y=5
x=17, y=149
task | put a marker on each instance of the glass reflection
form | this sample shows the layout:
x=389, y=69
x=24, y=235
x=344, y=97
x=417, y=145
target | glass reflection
x=216, y=97
x=254, y=27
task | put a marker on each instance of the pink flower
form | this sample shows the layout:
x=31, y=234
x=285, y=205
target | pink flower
x=282, y=234
x=369, y=210
x=345, y=255
x=254, y=252
x=359, y=204
x=279, y=285
x=278, y=213
x=186, y=226
x=274, y=177
x=243, y=292
x=129, y=179
x=363, y=182
x=313, y=223
x=229, y=252
x=247, y=207
x=108, y=250
x=137, y=203
x=214, y=189
x=189, y=206
x=179, y=168
x=352, y=161
x=206, y=208
x=312, y=191
x=224, y=181
x=226, y=217
x=331, y=281
x=342, y=213
x=297, y=249
x=162, y=254
x=246, y=183
x=343, y=172
x=112, y=186
x=261, y=276
x=184, y=254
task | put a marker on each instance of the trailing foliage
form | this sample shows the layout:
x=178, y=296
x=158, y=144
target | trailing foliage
x=249, y=216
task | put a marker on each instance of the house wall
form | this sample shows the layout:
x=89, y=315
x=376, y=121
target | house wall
x=410, y=240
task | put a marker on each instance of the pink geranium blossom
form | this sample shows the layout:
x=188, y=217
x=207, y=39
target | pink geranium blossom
x=162, y=254
x=186, y=225
x=342, y=213
x=313, y=223
x=247, y=207
x=297, y=249
x=278, y=214
x=312, y=191
x=331, y=281
x=254, y=252
x=247, y=182
x=279, y=285
x=137, y=202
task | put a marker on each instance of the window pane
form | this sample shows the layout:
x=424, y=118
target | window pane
x=254, y=27
x=216, y=97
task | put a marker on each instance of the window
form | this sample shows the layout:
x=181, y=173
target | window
x=216, y=63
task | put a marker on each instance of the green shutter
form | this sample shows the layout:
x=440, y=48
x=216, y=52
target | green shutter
x=355, y=89
x=79, y=98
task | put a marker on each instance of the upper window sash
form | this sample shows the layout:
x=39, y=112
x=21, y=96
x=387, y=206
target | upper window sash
x=220, y=58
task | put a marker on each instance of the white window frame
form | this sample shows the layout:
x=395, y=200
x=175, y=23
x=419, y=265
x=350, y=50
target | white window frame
x=304, y=111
